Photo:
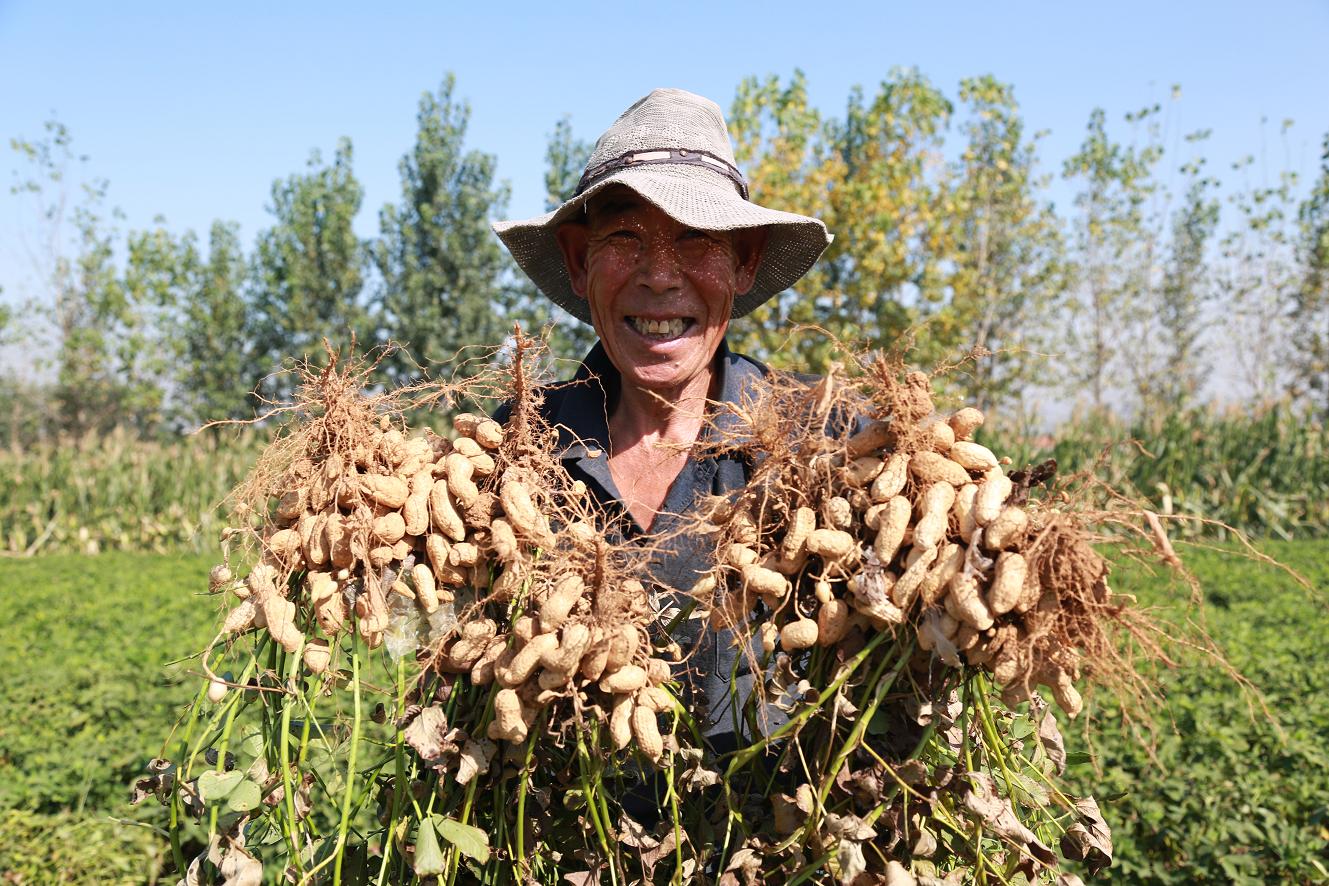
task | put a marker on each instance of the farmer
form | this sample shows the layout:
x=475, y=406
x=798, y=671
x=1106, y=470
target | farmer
x=658, y=249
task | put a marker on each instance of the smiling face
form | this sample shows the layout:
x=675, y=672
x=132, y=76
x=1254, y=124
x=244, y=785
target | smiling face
x=660, y=293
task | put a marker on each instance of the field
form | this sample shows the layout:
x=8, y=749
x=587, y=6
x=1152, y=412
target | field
x=90, y=693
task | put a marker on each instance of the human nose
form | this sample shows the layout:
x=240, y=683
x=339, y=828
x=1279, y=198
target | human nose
x=659, y=268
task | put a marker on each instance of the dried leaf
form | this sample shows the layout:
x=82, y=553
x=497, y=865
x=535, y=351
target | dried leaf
x=1050, y=737
x=651, y=857
x=898, y=875
x=1089, y=839
x=427, y=733
x=788, y=817
x=844, y=708
x=996, y=812
x=848, y=827
x=239, y=868
x=925, y=844
x=698, y=776
x=912, y=772
x=632, y=834
x=475, y=759
x=849, y=854
x=158, y=783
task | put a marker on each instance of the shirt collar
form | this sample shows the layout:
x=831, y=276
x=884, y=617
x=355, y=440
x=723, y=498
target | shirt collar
x=582, y=416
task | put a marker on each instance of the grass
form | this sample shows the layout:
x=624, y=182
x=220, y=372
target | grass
x=1264, y=473
x=1228, y=792
x=88, y=701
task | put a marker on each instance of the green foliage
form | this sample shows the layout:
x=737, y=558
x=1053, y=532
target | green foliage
x=118, y=492
x=86, y=696
x=309, y=269
x=1310, y=311
x=1264, y=472
x=1110, y=256
x=440, y=263
x=69, y=848
x=1227, y=793
x=1008, y=274
x=217, y=370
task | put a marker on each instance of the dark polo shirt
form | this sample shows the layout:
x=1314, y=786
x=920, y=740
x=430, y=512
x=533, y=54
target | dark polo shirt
x=713, y=673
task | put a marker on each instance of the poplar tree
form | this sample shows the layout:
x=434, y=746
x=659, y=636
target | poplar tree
x=872, y=177
x=217, y=367
x=1112, y=256
x=1186, y=292
x=309, y=270
x=1009, y=273
x=442, y=296
x=1310, y=309
x=568, y=338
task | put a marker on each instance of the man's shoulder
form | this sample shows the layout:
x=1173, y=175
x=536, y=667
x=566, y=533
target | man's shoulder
x=766, y=371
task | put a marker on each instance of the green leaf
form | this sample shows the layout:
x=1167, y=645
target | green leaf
x=880, y=724
x=1078, y=758
x=1021, y=728
x=470, y=841
x=252, y=742
x=214, y=785
x=428, y=855
x=244, y=797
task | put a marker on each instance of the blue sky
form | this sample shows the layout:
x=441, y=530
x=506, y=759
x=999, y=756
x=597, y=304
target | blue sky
x=190, y=111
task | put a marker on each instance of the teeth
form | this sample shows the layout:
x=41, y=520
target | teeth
x=670, y=328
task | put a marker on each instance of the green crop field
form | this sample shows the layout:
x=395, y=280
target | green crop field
x=89, y=696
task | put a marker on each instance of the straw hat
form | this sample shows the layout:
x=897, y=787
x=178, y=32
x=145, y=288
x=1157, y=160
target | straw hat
x=672, y=148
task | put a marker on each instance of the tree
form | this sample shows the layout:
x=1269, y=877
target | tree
x=1185, y=290
x=872, y=178
x=441, y=265
x=73, y=262
x=565, y=160
x=1257, y=282
x=147, y=348
x=1008, y=271
x=1112, y=256
x=1310, y=310
x=309, y=269
x=217, y=367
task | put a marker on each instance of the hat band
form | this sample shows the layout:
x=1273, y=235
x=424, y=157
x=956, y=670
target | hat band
x=684, y=156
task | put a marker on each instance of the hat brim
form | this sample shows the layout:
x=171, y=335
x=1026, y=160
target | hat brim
x=793, y=242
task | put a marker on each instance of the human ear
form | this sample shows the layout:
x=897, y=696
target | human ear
x=573, y=238
x=749, y=246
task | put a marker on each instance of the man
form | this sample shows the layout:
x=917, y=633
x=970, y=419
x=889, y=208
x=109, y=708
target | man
x=659, y=249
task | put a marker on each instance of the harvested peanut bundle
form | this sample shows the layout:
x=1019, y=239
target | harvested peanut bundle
x=904, y=550
x=905, y=520
x=442, y=546
x=880, y=579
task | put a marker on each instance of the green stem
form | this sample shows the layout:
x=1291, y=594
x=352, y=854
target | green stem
x=743, y=757
x=521, y=807
x=399, y=781
x=292, y=823
x=345, y=822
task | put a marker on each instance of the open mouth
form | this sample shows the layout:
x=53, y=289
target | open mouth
x=661, y=330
